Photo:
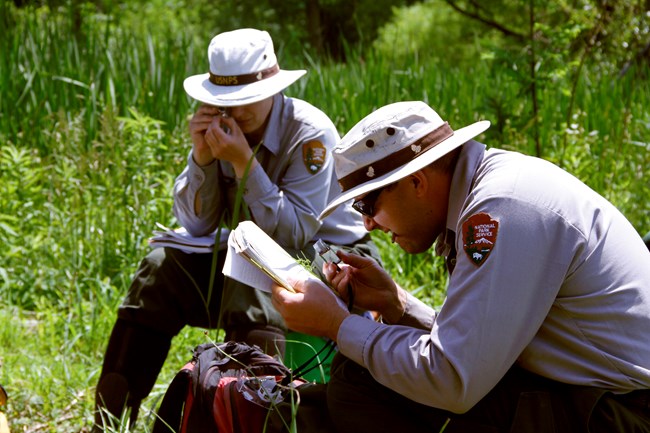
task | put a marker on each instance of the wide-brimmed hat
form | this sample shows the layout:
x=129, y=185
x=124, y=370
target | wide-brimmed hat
x=243, y=70
x=383, y=147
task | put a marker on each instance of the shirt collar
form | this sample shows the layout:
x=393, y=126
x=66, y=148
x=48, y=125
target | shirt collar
x=471, y=156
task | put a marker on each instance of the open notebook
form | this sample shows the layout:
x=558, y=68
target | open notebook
x=255, y=259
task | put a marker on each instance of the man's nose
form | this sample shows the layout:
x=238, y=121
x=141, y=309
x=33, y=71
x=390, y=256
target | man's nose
x=369, y=223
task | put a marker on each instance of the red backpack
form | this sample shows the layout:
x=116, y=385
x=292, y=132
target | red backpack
x=228, y=388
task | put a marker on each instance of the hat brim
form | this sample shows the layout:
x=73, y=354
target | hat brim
x=459, y=138
x=200, y=88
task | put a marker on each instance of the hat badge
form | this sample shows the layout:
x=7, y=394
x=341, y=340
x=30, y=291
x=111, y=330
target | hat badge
x=370, y=172
x=416, y=148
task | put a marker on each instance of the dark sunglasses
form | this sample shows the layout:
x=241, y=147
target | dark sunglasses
x=366, y=204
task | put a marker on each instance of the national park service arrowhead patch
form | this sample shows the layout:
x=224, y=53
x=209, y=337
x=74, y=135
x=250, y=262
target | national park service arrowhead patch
x=313, y=155
x=479, y=237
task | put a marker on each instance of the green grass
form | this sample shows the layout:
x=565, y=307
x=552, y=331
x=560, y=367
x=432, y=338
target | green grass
x=93, y=131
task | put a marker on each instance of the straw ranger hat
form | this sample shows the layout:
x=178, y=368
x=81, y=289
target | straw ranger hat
x=382, y=148
x=243, y=70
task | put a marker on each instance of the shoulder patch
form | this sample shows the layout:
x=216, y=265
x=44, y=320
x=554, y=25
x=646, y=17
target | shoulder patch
x=313, y=155
x=479, y=237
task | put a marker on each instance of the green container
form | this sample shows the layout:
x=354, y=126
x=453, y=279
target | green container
x=301, y=348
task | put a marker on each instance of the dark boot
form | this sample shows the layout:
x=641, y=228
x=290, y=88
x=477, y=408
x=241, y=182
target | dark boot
x=133, y=359
x=268, y=338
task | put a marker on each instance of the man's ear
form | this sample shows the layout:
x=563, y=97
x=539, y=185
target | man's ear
x=420, y=182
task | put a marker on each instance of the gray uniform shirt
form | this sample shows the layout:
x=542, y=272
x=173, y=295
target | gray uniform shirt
x=288, y=189
x=564, y=292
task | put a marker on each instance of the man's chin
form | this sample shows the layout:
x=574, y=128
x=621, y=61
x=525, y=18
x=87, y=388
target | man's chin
x=409, y=247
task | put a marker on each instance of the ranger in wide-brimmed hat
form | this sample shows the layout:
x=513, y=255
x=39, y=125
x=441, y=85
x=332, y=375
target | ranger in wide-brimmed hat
x=243, y=70
x=395, y=141
x=545, y=324
x=252, y=146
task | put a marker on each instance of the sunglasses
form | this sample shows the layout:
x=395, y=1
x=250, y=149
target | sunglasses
x=366, y=204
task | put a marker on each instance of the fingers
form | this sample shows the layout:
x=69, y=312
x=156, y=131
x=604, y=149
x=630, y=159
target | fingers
x=202, y=118
x=341, y=281
x=217, y=140
x=281, y=297
x=338, y=278
x=198, y=127
x=228, y=124
x=313, y=309
x=354, y=260
x=210, y=119
x=219, y=127
x=224, y=136
x=330, y=270
x=215, y=133
x=209, y=110
x=277, y=294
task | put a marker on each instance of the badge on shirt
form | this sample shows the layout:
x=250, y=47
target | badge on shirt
x=313, y=155
x=479, y=237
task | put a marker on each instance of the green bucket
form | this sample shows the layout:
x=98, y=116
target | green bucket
x=301, y=348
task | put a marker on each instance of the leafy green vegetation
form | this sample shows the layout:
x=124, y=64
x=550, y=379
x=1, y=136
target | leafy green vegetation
x=93, y=131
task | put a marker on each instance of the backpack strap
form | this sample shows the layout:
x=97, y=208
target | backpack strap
x=177, y=399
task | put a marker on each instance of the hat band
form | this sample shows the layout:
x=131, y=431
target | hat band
x=238, y=80
x=397, y=159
